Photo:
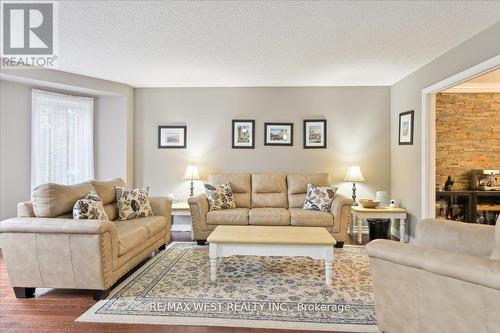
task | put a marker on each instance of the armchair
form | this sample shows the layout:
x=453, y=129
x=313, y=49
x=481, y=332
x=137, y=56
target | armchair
x=448, y=281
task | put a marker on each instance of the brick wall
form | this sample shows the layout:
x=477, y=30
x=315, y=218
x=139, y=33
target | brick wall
x=467, y=135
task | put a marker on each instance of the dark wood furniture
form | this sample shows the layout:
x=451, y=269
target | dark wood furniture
x=468, y=206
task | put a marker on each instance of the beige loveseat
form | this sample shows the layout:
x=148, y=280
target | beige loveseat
x=448, y=281
x=270, y=199
x=44, y=247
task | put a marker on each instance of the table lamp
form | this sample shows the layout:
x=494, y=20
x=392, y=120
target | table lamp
x=354, y=175
x=192, y=175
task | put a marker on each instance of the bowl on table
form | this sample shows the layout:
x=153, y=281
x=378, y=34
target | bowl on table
x=368, y=203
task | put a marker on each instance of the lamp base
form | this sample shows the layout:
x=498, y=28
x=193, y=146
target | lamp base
x=354, y=194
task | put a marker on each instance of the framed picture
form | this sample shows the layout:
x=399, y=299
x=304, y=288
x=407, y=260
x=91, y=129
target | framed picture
x=406, y=128
x=278, y=134
x=315, y=133
x=172, y=137
x=243, y=134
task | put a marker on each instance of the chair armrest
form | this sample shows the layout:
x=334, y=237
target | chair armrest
x=478, y=270
x=453, y=236
x=56, y=226
x=198, y=205
x=162, y=206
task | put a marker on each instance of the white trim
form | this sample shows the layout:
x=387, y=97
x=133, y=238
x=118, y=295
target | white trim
x=429, y=129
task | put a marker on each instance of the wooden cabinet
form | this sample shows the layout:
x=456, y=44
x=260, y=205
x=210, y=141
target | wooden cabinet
x=468, y=206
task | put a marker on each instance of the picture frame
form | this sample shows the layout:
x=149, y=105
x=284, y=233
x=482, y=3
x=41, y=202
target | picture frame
x=406, y=126
x=172, y=137
x=278, y=134
x=315, y=135
x=243, y=134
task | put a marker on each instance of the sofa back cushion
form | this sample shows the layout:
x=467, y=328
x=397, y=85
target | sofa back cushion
x=105, y=189
x=51, y=200
x=269, y=190
x=297, y=186
x=240, y=184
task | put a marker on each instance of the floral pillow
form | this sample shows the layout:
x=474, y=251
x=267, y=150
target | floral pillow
x=133, y=203
x=220, y=196
x=319, y=198
x=89, y=208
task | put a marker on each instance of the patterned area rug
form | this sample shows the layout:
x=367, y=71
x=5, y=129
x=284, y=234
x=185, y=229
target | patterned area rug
x=174, y=288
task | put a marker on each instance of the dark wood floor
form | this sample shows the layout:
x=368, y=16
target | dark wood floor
x=55, y=310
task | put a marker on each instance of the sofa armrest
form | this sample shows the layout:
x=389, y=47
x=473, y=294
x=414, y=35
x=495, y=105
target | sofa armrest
x=162, y=206
x=478, y=270
x=25, y=209
x=453, y=236
x=341, y=210
x=198, y=205
x=56, y=226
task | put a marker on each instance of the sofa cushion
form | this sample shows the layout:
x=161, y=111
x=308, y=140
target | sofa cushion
x=130, y=235
x=269, y=216
x=111, y=210
x=133, y=203
x=134, y=233
x=89, y=208
x=106, y=189
x=319, y=198
x=240, y=184
x=51, y=200
x=496, y=252
x=310, y=218
x=297, y=186
x=269, y=190
x=228, y=216
x=219, y=196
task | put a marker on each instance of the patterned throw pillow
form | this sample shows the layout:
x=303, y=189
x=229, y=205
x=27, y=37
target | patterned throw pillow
x=133, y=203
x=220, y=196
x=89, y=208
x=319, y=198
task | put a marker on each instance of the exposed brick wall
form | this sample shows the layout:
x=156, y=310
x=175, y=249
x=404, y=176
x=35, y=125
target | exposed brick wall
x=467, y=135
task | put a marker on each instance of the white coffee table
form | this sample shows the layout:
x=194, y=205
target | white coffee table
x=314, y=242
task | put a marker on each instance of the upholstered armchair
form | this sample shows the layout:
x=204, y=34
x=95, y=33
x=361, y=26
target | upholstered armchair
x=448, y=281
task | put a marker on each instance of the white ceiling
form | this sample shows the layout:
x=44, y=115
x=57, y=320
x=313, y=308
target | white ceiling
x=257, y=43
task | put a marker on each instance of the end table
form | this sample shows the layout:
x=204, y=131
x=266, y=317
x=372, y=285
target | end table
x=381, y=212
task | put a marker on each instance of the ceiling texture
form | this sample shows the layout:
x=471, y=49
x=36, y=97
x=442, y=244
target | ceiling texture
x=258, y=43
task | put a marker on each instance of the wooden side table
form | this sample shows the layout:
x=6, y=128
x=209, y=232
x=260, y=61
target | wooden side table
x=361, y=213
x=181, y=209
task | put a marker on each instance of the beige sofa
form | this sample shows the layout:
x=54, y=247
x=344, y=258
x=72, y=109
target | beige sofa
x=44, y=247
x=270, y=199
x=447, y=282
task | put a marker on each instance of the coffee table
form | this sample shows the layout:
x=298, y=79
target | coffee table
x=290, y=241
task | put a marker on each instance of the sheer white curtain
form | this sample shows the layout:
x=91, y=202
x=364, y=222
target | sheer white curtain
x=62, y=138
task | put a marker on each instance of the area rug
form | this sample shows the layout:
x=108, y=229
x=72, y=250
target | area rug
x=174, y=288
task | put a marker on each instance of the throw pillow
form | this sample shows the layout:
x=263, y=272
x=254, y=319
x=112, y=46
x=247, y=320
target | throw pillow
x=318, y=198
x=133, y=203
x=89, y=208
x=220, y=196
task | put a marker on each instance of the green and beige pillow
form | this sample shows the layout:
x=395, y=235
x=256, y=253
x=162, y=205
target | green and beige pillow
x=220, y=196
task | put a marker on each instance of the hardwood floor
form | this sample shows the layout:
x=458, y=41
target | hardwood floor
x=55, y=310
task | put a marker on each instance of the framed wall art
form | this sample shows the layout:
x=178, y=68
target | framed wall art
x=406, y=128
x=172, y=137
x=315, y=134
x=278, y=134
x=243, y=134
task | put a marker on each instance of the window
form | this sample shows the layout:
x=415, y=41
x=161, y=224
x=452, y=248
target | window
x=62, y=138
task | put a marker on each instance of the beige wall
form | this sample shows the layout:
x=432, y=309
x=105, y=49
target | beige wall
x=113, y=128
x=407, y=95
x=358, y=133
x=467, y=135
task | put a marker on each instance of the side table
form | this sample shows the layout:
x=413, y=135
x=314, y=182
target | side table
x=361, y=213
x=181, y=209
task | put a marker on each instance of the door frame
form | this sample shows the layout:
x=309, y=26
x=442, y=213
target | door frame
x=429, y=129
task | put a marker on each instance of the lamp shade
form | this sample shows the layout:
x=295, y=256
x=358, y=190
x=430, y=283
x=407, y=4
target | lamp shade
x=354, y=174
x=191, y=173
